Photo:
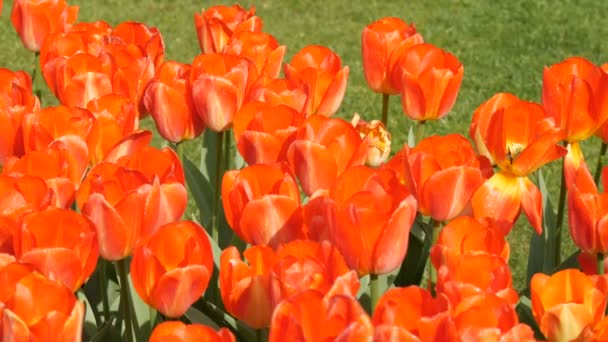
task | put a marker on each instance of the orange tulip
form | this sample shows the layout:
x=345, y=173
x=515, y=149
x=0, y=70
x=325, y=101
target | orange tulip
x=279, y=92
x=323, y=149
x=260, y=48
x=416, y=311
x=262, y=204
x=34, y=21
x=575, y=95
x=263, y=132
x=316, y=216
x=379, y=139
x=319, y=70
x=169, y=100
x=383, y=42
x=20, y=195
x=429, y=80
x=447, y=163
x=566, y=303
x=82, y=78
x=520, y=141
x=147, y=38
x=171, y=269
x=602, y=132
x=178, y=331
x=220, y=84
x=215, y=25
x=16, y=99
x=54, y=315
x=372, y=216
x=116, y=117
x=68, y=253
x=246, y=289
x=298, y=318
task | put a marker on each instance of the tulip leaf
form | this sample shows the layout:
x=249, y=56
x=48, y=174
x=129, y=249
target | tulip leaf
x=524, y=312
x=419, y=246
x=143, y=315
x=570, y=262
x=209, y=155
x=543, y=247
x=411, y=137
x=195, y=316
x=91, y=316
x=200, y=187
x=223, y=319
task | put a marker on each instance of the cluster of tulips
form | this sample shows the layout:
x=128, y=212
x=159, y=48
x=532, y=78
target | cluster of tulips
x=323, y=234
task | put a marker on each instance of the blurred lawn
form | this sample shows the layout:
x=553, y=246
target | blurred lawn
x=503, y=45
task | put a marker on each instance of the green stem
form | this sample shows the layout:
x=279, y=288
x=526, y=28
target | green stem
x=103, y=283
x=374, y=291
x=227, y=150
x=600, y=263
x=218, y=185
x=598, y=167
x=35, y=72
x=385, y=98
x=560, y=219
x=261, y=335
x=436, y=227
x=225, y=320
x=125, y=298
x=179, y=149
x=420, y=131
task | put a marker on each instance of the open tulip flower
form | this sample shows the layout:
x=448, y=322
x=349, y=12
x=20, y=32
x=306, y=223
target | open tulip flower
x=220, y=84
x=372, y=217
x=260, y=48
x=448, y=163
x=428, y=79
x=172, y=267
x=54, y=315
x=178, y=331
x=168, y=98
x=567, y=303
x=216, y=24
x=263, y=132
x=323, y=149
x=68, y=253
x=262, y=204
x=519, y=140
x=35, y=20
x=383, y=42
x=378, y=137
x=16, y=99
x=319, y=70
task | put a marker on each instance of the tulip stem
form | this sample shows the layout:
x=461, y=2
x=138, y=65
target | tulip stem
x=600, y=263
x=179, y=149
x=34, y=73
x=560, y=219
x=374, y=291
x=103, y=283
x=436, y=227
x=261, y=335
x=420, y=131
x=598, y=167
x=385, y=98
x=218, y=183
x=125, y=298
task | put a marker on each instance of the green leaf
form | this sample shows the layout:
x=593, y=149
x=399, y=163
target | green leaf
x=221, y=318
x=91, y=318
x=524, y=311
x=195, y=316
x=419, y=246
x=543, y=247
x=201, y=190
x=411, y=137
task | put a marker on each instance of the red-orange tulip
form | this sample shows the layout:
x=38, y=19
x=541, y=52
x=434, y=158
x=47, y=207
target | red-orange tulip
x=168, y=98
x=429, y=80
x=178, y=331
x=323, y=149
x=379, y=140
x=147, y=38
x=260, y=48
x=383, y=42
x=263, y=132
x=220, y=84
x=67, y=253
x=443, y=172
x=566, y=303
x=320, y=71
x=520, y=140
x=575, y=95
x=215, y=25
x=82, y=78
x=54, y=315
x=171, y=269
x=246, y=289
x=16, y=99
x=279, y=92
x=372, y=216
x=20, y=195
x=35, y=20
x=298, y=318
x=262, y=204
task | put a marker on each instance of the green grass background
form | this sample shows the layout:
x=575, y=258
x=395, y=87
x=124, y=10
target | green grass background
x=504, y=46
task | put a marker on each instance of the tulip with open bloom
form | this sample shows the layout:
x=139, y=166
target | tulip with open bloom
x=372, y=213
x=216, y=24
x=172, y=267
x=379, y=140
x=567, y=303
x=383, y=42
x=319, y=70
x=35, y=20
x=519, y=140
x=428, y=79
x=178, y=331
